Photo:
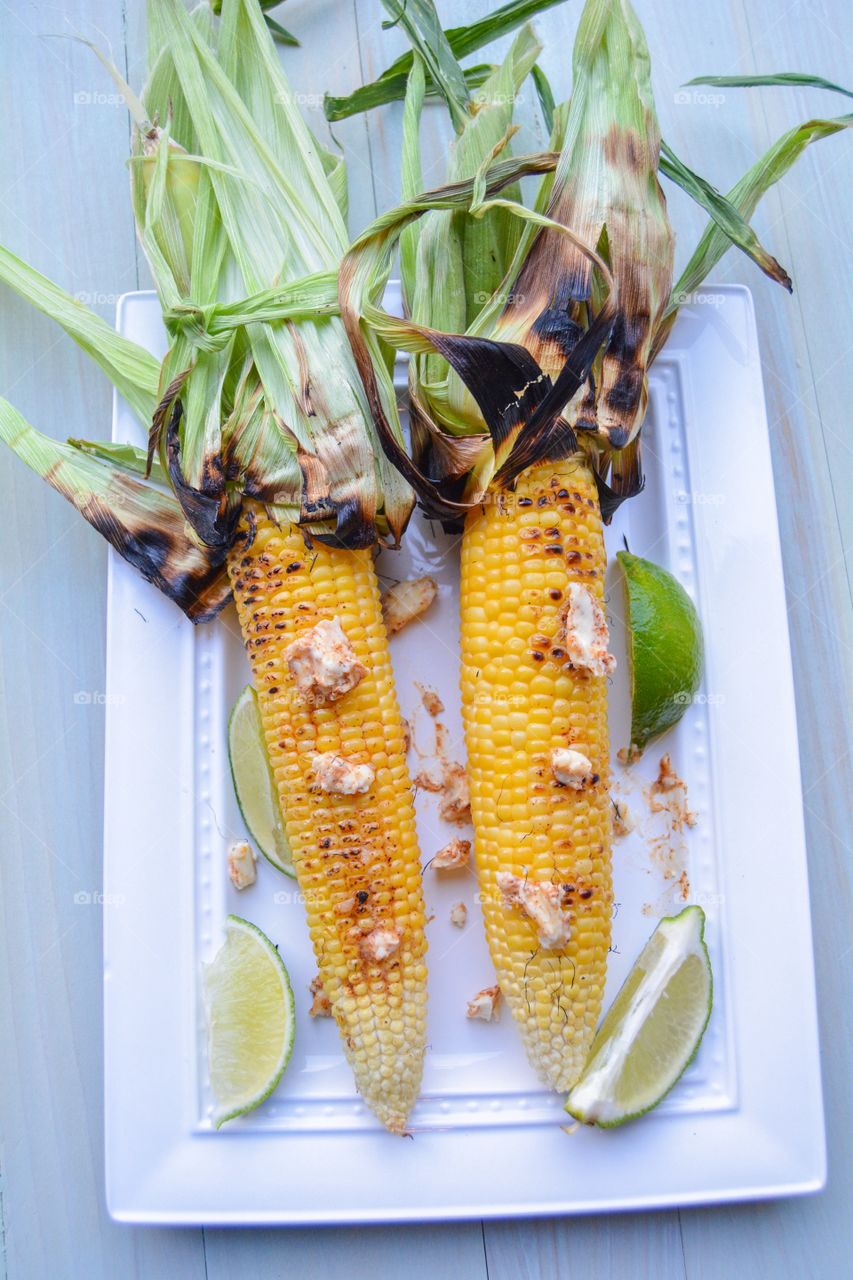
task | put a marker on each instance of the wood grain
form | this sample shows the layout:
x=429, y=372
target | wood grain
x=63, y=205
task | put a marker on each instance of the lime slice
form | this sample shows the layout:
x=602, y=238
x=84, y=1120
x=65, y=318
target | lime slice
x=664, y=647
x=652, y=1030
x=250, y=1020
x=253, y=782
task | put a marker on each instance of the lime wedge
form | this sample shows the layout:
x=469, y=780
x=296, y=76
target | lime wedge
x=250, y=1020
x=253, y=782
x=664, y=647
x=652, y=1030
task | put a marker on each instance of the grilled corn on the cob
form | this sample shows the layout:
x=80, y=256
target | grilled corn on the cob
x=355, y=855
x=522, y=702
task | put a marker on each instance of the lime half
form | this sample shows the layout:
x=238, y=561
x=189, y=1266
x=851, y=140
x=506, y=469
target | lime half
x=250, y=1020
x=664, y=647
x=253, y=782
x=652, y=1030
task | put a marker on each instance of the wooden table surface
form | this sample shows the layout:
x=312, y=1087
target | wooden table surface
x=64, y=207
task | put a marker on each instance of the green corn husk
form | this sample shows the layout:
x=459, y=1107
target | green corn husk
x=277, y=31
x=241, y=214
x=391, y=85
x=577, y=290
x=555, y=356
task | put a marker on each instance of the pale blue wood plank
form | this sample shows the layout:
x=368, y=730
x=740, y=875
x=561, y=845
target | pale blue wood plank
x=51, y=1110
x=587, y=1248
x=392, y=1253
x=807, y=366
x=64, y=206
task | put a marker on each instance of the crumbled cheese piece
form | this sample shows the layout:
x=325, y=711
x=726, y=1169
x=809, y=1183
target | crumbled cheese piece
x=623, y=819
x=628, y=755
x=585, y=636
x=572, y=769
x=667, y=779
x=454, y=854
x=426, y=781
x=542, y=902
x=405, y=601
x=672, y=791
x=323, y=663
x=459, y=915
x=486, y=1005
x=322, y=1005
x=431, y=701
x=380, y=943
x=455, y=803
x=336, y=774
x=241, y=864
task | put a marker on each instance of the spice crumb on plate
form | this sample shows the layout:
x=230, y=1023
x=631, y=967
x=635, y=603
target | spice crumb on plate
x=431, y=700
x=242, y=861
x=455, y=806
x=459, y=915
x=406, y=601
x=486, y=1005
x=668, y=794
x=452, y=856
x=322, y=1005
x=623, y=820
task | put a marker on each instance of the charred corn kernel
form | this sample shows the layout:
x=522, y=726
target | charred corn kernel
x=521, y=703
x=355, y=855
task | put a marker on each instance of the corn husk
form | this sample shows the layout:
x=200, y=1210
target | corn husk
x=241, y=214
x=508, y=376
x=392, y=84
x=556, y=357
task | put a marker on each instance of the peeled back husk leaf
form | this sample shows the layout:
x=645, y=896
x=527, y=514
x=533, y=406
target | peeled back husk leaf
x=606, y=188
x=144, y=524
x=590, y=279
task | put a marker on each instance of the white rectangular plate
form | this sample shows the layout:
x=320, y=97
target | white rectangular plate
x=746, y=1120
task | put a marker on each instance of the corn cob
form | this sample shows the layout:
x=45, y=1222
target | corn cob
x=356, y=856
x=520, y=701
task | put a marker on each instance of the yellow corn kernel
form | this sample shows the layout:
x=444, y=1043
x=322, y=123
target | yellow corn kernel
x=356, y=856
x=520, y=702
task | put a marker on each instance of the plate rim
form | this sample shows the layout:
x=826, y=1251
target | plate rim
x=144, y=1184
